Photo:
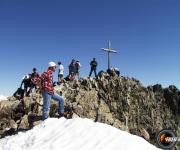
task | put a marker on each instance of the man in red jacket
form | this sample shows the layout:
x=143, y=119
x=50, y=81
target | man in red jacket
x=48, y=92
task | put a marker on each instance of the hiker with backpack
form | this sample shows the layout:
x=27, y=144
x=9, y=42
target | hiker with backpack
x=60, y=72
x=48, y=92
x=93, y=65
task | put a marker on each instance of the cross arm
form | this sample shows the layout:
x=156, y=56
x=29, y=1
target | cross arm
x=109, y=50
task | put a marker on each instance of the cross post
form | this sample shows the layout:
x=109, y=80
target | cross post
x=109, y=50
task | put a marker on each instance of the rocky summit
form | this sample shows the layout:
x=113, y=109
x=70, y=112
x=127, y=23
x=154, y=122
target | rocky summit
x=118, y=101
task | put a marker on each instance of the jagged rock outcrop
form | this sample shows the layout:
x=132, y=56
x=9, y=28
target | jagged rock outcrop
x=119, y=101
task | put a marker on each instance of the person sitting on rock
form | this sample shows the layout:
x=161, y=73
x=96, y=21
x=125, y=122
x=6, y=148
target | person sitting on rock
x=117, y=71
x=113, y=72
x=70, y=77
x=109, y=71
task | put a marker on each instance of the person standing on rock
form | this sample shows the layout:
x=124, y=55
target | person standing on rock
x=48, y=92
x=78, y=66
x=60, y=72
x=93, y=65
x=72, y=67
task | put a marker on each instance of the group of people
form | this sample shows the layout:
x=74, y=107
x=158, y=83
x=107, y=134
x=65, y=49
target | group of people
x=28, y=84
x=74, y=70
x=45, y=84
x=29, y=81
x=113, y=72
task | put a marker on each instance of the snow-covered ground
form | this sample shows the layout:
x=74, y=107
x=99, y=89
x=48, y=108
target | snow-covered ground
x=2, y=97
x=74, y=134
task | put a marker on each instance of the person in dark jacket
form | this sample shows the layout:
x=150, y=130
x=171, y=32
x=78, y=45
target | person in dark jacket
x=72, y=66
x=34, y=77
x=26, y=83
x=93, y=65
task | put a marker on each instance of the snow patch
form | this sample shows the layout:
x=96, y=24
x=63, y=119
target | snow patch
x=2, y=97
x=74, y=134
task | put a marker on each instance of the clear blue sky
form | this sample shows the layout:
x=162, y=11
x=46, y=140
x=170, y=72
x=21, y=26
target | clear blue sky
x=146, y=33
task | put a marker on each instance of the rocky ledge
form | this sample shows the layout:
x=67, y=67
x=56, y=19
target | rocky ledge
x=118, y=101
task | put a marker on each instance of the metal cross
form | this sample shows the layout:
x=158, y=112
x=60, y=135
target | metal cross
x=109, y=50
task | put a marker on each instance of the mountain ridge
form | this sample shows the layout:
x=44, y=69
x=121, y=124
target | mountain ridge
x=118, y=101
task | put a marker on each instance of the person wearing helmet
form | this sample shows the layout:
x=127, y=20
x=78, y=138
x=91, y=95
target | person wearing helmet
x=48, y=92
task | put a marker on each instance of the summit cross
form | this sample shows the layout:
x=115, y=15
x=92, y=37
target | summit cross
x=109, y=50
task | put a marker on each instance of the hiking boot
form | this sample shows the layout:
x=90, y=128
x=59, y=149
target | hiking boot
x=62, y=115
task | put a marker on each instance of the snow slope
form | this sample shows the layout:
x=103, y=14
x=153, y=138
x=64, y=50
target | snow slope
x=74, y=134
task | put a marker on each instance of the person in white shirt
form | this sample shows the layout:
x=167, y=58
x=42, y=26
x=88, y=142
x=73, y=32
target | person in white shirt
x=77, y=66
x=60, y=72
